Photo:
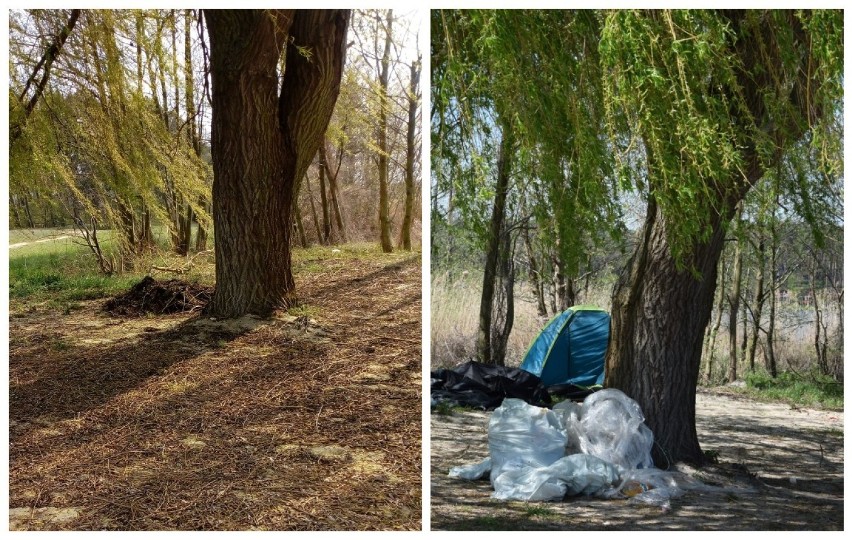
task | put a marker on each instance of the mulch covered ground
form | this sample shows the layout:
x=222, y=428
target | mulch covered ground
x=177, y=422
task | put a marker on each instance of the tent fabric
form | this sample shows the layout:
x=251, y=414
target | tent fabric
x=571, y=348
x=485, y=386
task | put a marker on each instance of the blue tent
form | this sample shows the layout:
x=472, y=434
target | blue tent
x=571, y=348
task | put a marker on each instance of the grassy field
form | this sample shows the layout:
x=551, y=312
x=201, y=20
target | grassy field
x=61, y=272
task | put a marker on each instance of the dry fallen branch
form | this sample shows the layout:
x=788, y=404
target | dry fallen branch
x=185, y=268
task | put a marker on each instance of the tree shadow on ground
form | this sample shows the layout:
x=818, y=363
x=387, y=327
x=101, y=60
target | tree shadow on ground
x=80, y=378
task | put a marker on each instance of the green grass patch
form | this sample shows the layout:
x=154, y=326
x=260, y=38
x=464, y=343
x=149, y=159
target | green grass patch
x=63, y=277
x=17, y=236
x=304, y=310
x=809, y=389
x=535, y=510
x=444, y=408
x=62, y=272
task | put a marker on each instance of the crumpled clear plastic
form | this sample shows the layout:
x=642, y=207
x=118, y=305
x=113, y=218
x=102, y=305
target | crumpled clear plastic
x=521, y=435
x=578, y=474
x=611, y=426
x=474, y=471
x=600, y=447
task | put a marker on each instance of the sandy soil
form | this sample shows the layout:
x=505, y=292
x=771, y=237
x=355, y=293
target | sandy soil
x=796, y=455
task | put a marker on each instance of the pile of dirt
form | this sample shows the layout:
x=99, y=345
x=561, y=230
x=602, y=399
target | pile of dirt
x=152, y=296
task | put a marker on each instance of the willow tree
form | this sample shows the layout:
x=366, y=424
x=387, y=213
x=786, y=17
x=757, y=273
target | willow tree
x=264, y=137
x=714, y=99
x=698, y=107
x=517, y=107
x=95, y=144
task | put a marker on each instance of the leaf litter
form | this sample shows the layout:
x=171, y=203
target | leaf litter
x=174, y=421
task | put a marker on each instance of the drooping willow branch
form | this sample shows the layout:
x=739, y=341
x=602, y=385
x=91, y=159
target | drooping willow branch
x=46, y=62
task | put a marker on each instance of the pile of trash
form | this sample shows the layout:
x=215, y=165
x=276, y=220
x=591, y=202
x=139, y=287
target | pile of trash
x=600, y=448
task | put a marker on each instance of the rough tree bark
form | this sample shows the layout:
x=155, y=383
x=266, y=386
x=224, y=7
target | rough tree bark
x=263, y=142
x=659, y=314
x=660, y=311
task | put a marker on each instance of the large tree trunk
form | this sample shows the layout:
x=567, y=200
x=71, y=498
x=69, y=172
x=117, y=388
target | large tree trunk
x=263, y=143
x=504, y=168
x=659, y=314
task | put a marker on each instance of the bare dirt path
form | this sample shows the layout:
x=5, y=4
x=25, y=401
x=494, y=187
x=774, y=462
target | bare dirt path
x=42, y=240
x=797, y=455
x=179, y=422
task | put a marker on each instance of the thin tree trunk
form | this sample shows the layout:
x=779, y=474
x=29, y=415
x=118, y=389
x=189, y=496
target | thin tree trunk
x=504, y=168
x=771, y=364
x=744, y=321
x=28, y=213
x=820, y=337
x=535, y=276
x=16, y=216
x=45, y=63
x=326, y=219
x=759, y=301
x=313, y=209
x=734, y=303
x=334, y=190
x=563, y=285
x=504, y=303
x=382, y=136
x=300, y=229
x=413, y=101
x=711, y=346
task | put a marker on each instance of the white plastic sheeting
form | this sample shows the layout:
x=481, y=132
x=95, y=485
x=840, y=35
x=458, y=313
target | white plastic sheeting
x=578, y=474
x=608, y=425
x=601, y=447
